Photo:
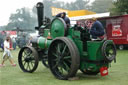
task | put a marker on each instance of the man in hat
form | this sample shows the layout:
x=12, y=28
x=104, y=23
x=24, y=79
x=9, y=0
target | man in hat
x=63, y=16
x=97, y=29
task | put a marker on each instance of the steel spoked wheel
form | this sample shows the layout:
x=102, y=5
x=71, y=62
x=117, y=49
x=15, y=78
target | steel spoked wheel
x=109, y=50
x=63, y=58
x=45, y=61
x=28, y=59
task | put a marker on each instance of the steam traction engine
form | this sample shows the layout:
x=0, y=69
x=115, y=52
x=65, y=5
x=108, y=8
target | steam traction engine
x=66, y=49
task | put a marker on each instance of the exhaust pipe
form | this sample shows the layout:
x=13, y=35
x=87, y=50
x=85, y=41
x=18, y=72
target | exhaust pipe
x=40, y=13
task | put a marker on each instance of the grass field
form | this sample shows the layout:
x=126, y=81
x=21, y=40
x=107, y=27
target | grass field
x=118, y=74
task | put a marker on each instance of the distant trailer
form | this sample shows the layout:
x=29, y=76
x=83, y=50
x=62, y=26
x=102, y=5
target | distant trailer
x=117, y=30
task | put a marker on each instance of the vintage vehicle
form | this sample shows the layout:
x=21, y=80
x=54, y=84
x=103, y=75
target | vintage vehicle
x=65, y=50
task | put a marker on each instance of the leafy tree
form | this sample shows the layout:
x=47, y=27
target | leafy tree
x=120, y=7
x=23, y=19
x=101, y=6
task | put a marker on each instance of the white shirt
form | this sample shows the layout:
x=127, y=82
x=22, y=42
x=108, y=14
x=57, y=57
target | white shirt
x=6, y=44
x=7, y=51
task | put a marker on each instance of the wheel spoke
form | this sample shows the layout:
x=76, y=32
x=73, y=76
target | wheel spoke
x=55, y=65
x=58, y=48
x=28, y=66
x=55, y=59
x=55, y=54
x=24, y=63
x=64, y=49
x=32, y=64
x=60, y=69
x=66, y=67
x=33, y=61
x=67, y=57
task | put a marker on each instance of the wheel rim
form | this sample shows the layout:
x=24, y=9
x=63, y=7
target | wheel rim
x=28, y=59
x=61, y=61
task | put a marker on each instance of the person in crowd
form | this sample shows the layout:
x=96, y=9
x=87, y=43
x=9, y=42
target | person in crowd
x=14, y=43
x=64, y=17
x=7, y=53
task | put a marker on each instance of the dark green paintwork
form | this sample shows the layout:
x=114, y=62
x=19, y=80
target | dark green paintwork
x=93, y=51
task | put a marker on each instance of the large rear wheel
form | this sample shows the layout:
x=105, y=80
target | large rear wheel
x=63, y=58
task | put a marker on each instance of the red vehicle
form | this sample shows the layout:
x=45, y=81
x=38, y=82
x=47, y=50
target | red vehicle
x=117, y=29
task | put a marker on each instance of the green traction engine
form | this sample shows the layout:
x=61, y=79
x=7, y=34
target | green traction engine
x=65, y=50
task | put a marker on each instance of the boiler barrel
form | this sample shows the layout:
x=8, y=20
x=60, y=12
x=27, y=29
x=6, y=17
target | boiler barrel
x=44, y=42
x=41, y=42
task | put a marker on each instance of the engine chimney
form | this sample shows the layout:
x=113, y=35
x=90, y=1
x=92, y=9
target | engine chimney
x=40, y=13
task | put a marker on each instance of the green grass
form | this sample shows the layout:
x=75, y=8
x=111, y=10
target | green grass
x=118, y=74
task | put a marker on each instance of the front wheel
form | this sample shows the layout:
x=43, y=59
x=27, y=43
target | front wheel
x=28, y=59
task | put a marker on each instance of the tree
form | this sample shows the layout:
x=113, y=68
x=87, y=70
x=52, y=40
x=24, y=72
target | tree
x=120, y=7
x=101, y=6
x=23, y=18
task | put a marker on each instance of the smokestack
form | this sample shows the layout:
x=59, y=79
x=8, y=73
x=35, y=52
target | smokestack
x=40, y=13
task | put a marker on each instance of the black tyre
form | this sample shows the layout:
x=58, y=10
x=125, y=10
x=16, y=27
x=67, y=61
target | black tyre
x=63, y=58
x=28, y=59
x=109, y=50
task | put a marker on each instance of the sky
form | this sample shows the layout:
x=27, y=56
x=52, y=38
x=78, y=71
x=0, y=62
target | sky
x=9, y=6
